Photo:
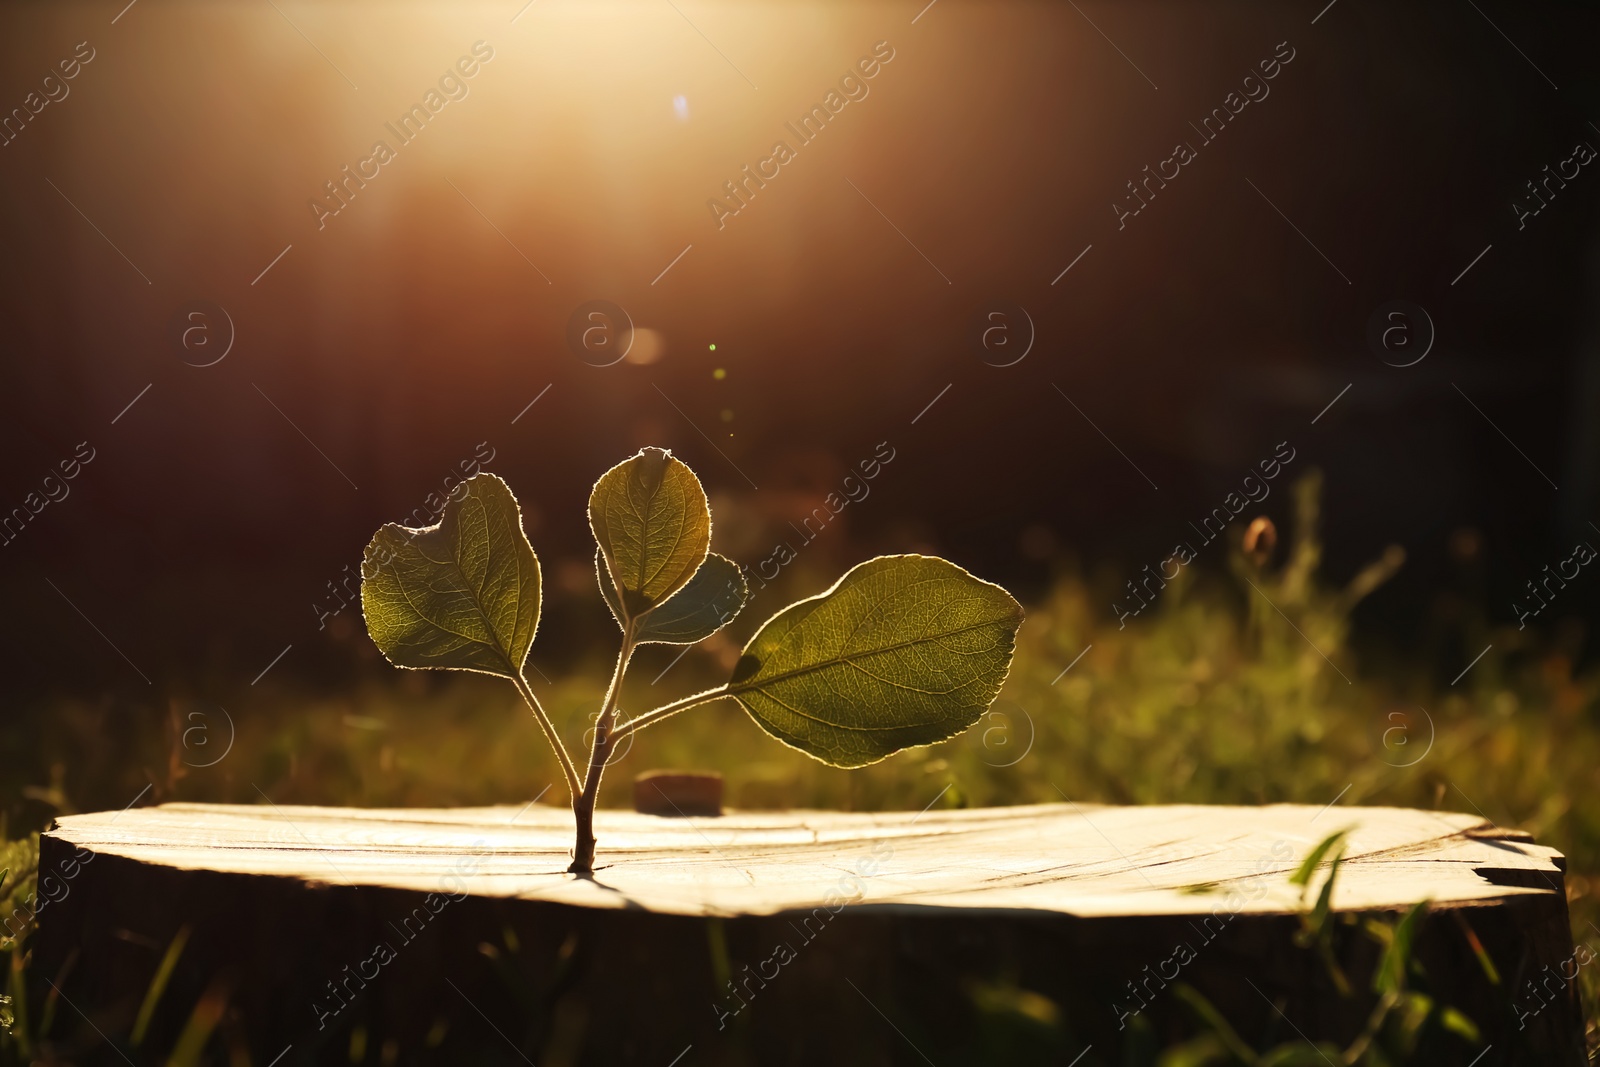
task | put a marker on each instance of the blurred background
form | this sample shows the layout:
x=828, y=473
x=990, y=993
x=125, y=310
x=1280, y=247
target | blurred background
x=385, y=345
x=180, y=612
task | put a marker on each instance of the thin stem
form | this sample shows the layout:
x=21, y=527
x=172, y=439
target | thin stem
x=651, y=717
x=608, y=709
x=599, y=755
x=549, y=729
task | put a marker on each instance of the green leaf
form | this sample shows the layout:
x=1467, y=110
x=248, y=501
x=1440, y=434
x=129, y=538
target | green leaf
x=902, y=651
x=461, y=594
x=1390, y=976
x=650, y=518
x=715, y=594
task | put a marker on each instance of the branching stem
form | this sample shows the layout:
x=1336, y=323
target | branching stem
x=599, y=755
x=650, y=718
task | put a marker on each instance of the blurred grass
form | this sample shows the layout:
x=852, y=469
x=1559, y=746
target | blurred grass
x=1238, y=688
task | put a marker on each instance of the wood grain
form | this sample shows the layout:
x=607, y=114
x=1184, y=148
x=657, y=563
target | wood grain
x=1080, y=860
x=899, y=916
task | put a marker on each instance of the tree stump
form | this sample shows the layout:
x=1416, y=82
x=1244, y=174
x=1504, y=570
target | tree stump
x=1026, y=934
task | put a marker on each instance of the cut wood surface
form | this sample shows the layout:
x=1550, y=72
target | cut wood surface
x=851, y=917
x=1082, y=860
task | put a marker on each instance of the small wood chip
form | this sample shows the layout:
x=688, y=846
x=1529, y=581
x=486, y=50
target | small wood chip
x=678, y=793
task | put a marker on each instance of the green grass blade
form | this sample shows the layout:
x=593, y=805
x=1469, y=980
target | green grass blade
x=197, y=1031
x=158, y=985
x=1302, y=876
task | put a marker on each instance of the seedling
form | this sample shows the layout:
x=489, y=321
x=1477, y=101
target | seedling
x=902, y=651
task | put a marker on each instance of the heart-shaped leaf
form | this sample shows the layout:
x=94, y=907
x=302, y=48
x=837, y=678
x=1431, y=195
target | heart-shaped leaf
x=902, y=651
x=461, y=594
x=651, y=520
x=709, y=602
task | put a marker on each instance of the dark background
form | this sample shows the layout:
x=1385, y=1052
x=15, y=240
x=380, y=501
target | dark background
x=408, y=330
